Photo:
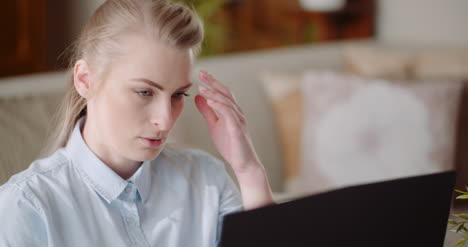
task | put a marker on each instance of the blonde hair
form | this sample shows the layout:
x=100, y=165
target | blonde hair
x=171, y=23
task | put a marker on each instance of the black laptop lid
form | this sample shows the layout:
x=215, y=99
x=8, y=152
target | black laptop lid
x=398, y=213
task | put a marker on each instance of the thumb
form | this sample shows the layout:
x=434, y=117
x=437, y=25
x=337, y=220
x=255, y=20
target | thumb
x=207, y=112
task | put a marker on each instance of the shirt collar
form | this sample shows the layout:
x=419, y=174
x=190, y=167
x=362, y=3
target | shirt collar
x=103, y=179
x=142, y=179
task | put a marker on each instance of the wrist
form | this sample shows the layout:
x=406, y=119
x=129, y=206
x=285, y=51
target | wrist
x=249, y=168
x=253, y=182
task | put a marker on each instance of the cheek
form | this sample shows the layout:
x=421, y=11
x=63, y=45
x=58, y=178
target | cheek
x=179, y=108
x=116, y=105
x=119, y=114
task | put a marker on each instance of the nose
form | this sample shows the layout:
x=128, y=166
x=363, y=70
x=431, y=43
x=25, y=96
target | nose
x=162, y=115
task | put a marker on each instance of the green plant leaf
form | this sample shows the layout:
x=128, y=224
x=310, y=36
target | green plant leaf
x=461, y=216
x=462, y=197
x=452, y=222
x=460, y=242
x=452, y=227
x=460, y=227
x=461, y=191
x=215, y=33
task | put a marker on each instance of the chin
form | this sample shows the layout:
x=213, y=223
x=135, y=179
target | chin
x=147, y=154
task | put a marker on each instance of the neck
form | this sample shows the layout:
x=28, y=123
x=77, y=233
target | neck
x=125, y=168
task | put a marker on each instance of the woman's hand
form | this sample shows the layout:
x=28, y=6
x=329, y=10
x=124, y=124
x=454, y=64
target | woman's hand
x=228, y=128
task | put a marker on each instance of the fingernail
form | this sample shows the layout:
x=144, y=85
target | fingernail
x=208, y=75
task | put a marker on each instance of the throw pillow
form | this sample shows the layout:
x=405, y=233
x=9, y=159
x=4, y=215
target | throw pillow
x=359, y=130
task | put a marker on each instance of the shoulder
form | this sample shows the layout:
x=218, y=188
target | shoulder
x=39, y=173
x=20, y=211
x=12, y=196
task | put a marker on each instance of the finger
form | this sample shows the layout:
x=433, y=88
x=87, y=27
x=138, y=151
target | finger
x=219, y=87
x=211, y=94
x=207, y=112
x=226, y=113
x=215, y=84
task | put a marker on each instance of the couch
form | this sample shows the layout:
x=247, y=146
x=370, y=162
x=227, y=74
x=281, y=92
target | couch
x=33, y=98
x=28, y=102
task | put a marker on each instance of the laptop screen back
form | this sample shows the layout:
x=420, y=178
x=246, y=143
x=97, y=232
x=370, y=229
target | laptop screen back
x=404, y=212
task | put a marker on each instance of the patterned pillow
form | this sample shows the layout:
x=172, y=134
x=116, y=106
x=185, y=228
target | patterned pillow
x=360, y=130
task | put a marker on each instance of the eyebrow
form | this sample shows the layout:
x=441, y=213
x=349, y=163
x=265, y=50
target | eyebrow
x=156, y=85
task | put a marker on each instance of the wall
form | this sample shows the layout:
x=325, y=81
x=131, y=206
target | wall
x=430, y=22
x=399, y=21
x=65, y=20
x=80, y=12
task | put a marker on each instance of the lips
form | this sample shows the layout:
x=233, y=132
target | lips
x=151, y=141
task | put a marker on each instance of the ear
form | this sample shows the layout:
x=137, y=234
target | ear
x=81, y=78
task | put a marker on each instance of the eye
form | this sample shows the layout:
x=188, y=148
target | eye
x=145, y=93
x=180, y=95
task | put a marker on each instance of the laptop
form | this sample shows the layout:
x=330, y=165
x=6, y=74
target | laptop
x=397, y=213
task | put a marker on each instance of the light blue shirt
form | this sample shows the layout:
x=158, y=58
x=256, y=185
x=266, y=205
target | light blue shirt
x=73, y=199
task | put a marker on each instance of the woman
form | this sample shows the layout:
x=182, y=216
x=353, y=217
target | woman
x=110, y=180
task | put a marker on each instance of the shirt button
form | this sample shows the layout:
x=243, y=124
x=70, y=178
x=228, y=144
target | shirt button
x=128, y=189
x=130, y=220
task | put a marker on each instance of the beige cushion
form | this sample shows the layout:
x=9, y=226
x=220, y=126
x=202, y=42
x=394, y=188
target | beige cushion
x=24, y=121
x=359, y=130
x=286, y=100
x=441, y=63
x=377, y=62
x=288, y=113
x=397, y=63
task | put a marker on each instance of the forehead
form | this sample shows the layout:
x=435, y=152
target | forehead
x=144, y=57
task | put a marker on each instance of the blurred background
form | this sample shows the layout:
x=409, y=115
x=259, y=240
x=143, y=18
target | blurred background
x=36, y=32
x=336, y=92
